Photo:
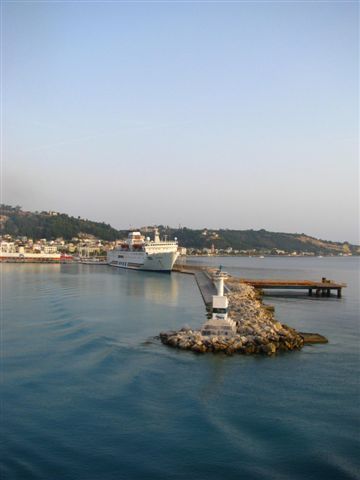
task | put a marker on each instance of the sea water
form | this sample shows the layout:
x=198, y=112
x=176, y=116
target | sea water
x=87, y=392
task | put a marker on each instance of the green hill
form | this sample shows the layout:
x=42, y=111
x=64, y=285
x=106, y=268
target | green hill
x=50, y=225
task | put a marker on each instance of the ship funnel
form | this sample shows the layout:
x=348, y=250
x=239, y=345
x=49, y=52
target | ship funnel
x=156, y=235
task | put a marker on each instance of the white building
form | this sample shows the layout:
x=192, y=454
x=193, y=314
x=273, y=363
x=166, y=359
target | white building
x=50, y=249
x=7, y=247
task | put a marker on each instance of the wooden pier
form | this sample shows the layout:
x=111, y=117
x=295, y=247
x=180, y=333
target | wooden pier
x=322, y=288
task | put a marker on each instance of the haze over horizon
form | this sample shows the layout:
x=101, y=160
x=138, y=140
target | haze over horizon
x=219, y=115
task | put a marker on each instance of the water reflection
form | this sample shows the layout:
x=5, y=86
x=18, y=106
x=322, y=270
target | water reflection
x=76, y=268
x=154, y=287
x=29, y=268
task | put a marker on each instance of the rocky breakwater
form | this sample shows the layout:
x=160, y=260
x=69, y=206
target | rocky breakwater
x=258, y=332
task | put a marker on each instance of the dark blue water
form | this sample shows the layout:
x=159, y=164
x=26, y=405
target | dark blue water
x=87, y=393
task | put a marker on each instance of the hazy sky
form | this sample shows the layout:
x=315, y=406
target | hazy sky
x=218, y=114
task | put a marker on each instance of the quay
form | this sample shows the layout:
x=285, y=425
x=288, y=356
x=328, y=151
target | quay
x=206, y=286
x=322, y=288
x=251, y=326
x=207, y=289
x=203, y=279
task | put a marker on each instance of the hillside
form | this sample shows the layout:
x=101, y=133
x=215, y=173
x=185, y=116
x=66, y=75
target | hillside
x=259, y=240
x=50, y=225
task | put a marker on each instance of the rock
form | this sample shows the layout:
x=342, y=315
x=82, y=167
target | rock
x=197, y=348
x=184, y=329
x=249, y=349
x=166, y=334
x=258, y=340
x=269, y=348
x=313, y=338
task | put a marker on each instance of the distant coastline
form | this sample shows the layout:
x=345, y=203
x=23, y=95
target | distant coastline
x=51, y=232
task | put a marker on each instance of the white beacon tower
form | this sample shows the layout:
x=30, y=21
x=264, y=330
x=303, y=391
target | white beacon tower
x=219, y=324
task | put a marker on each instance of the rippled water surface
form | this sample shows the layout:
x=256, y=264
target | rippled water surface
x=88, y=393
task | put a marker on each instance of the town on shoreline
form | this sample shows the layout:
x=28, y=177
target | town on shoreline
x=23, y=248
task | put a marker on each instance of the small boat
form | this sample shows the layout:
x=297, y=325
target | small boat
x=93, y=261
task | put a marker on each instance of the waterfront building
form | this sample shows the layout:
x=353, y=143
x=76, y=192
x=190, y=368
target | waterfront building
x=7, y=247
x=182, y=251
x=50, y=249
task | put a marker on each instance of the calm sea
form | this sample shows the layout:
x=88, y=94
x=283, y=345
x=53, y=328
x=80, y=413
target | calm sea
x=88, y=393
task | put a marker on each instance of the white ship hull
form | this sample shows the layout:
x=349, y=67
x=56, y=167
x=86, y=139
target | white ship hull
x=159, y=261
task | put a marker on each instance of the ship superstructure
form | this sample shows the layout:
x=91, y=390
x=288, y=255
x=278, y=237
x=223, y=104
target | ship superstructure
x=140, y=253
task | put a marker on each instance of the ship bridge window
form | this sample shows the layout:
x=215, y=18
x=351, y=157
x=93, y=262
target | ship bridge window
x=120, y=256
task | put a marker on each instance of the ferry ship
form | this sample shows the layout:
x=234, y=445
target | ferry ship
x=138, y=253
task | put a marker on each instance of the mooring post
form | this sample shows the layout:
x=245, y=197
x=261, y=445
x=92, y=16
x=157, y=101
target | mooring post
x=339, y=292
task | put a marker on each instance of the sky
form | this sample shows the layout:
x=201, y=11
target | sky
x=196, y=113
